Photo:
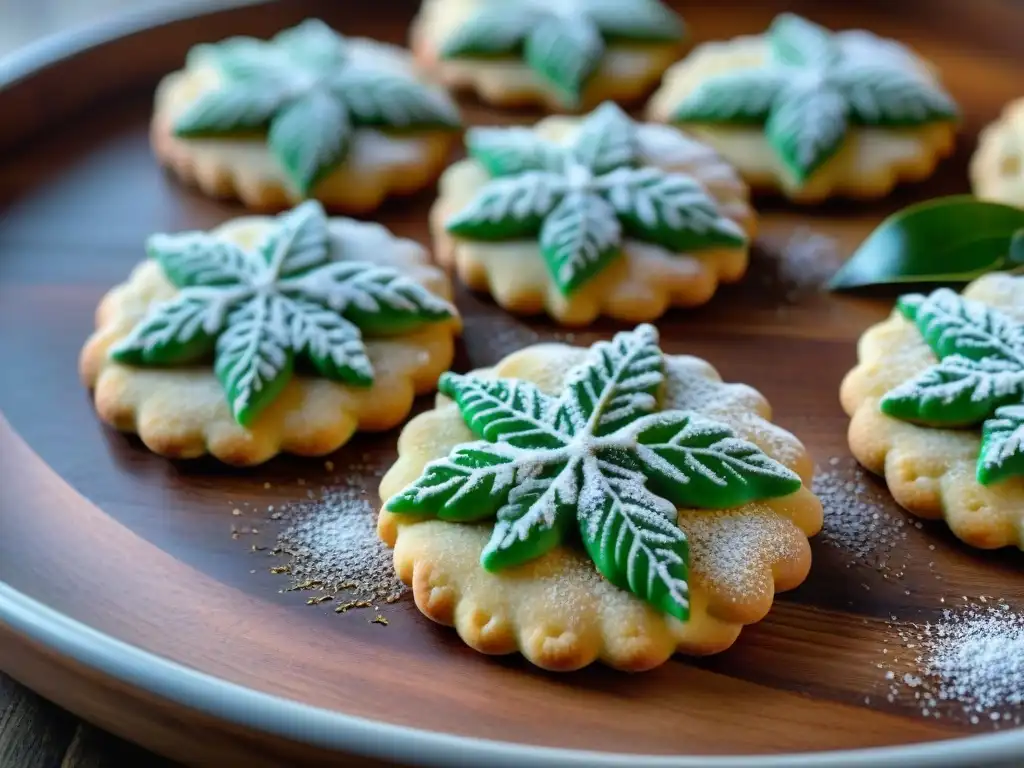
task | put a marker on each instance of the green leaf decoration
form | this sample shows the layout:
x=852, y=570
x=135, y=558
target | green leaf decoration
x=566, y=52
x=578, y=239
x=979, y=377
x=598, y=459
x=945, y=240
x=308, y=89
x=258, y=311
x=581, y=199
x=813, y=86
x=1002, y=446
x=563, y=43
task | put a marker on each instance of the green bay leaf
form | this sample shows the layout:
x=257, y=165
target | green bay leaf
x=948, y=239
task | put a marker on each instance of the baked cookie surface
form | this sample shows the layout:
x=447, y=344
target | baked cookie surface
x=937, y=408
x=268, y=335
x=812, y=113
x=595, y=216
x=997, y=167
x=308, y=113
x=642, y=506
x=564, y=55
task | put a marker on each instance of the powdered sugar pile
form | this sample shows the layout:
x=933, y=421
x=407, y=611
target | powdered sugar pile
x=804, y=262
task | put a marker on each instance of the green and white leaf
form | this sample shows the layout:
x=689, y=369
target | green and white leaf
x=504, y=410
x=806, y=127
x=637, y=20
x=376, y=98
x=253, y=356
x=606, y=140
x=669, y=209
x=743, y=96
x=578, y=239
x=878, y=94
x=1002, y=446
x=314, y=45
x=958, y=391
x=795, y=41
x=616, y=384
x=695, y=461
x=565, y=51
x=238, y=106
x=494, y=30
x=299, y=242
x=509, y=207
x=513, y=150
x=196, y=258
x=180, y=330
x=633, y=537
x=310, y=137
x=330, y=342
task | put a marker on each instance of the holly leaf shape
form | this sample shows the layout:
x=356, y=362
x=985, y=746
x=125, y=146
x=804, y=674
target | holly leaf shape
x=565, y=51
x=606, y=140
x=510, y=207
x=669, y=209
x=1002, y=446
x=641, y=20
x=593, y=459
x=511, y=151
x=578, y=239
x=806, y=127
x=258, y=310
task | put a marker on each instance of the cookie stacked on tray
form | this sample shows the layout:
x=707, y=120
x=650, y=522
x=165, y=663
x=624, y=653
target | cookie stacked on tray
x=618, y=503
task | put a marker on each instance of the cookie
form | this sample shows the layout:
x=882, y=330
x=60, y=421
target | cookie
x=611, y=504
x=937, y=407
x=307, y=114
x=584, y=217
x=997, y=168
x=269, y=335
x=813, y=113
x=563, y=55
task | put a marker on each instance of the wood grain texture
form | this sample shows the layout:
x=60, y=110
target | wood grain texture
x=139, y=547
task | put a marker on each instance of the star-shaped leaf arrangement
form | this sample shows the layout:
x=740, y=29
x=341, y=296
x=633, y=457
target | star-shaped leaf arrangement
x=582, y=200
x=813, y=86
x=258, y=311
x=598, y=464
x=308, y=91
x=563, y=41
x=979, y=378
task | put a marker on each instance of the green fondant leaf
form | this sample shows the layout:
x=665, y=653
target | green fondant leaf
x=957, y=391
x=1002, y=446
x=566, y=52
x=806, y=127
x=331, y=343
x=641, y=20
x=299, y=242
x=606, y=140
x=310, y=138
x=313, y=44
x=181, y=330
x=695, y=461
x=798, y=42
x=509, y=207
x=744, y=97
x=878, y=94
x=949, y=239
x=510, y=151
x=254, y=357
x=238, y=106
x=535, y=519
x=195, y=258
x=375, y=98
x=242, y=58
x=633, y=537
x=494, y=30
x=669, y=209
x=578, y=239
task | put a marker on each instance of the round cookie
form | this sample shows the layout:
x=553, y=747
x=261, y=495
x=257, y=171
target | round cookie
x=564, y=55
x=595, y=216
x=811, y=113
x=997, y=168
x=268, y=335
x=937, y=407
x=307, y=114
x=614, y=504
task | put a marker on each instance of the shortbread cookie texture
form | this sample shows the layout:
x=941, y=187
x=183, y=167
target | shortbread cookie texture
x=813, y=113
x=937, y=407
x=997, y=168
x=595, y=216
x=269, y=334
x=615, y=504
x=562, y=54
x=308, y=113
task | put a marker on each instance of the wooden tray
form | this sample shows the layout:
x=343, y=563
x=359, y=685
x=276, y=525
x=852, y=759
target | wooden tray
x=126, y=600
